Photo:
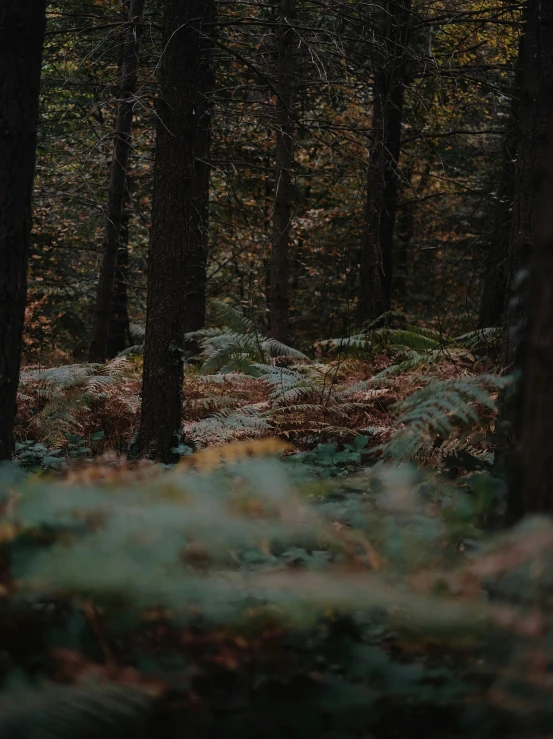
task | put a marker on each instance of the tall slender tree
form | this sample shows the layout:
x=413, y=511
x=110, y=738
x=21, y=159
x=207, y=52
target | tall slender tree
x=117, y=184
x=494, y=292
x=535, y=100
x=119, y=325
x=531, y=486
x=492, y=303
x=284, y=162
x=178, y=236
x=532, y=248
x=376, y=255
x=22, y=26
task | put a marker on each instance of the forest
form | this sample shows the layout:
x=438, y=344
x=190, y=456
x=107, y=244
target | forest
x=276, y=369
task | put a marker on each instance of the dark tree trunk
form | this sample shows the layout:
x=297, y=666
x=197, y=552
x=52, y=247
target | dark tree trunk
x=178, y=236
x=267, y=210
x=405, y=233
x=494, y=292
x=534, y=104
x=284, y=162
x=117, y=183
x=119, y=326
x=536, y=428
x=377, y=239
x=22, y=24
x=405, y=230
x=532, y=295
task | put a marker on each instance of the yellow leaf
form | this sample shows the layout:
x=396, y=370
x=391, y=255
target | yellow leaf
x=210, y=458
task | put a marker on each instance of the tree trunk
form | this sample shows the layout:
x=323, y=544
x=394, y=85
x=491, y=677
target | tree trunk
x=405, y=230
x=530, y=482
x=534, y=104
x=284, y=162
x=267, y=217
x=117, y=183
x=119, y=326
x=178, y=236
x=536, y=430
x=494, y=292
x=376, y=261
x=22, y=25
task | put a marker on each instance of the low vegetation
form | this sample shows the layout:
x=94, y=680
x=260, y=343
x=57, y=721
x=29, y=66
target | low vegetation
x=276, y=339
x=331, y=569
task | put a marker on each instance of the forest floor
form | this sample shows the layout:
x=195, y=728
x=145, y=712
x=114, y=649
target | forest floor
x=320, y=595
x=328, y=402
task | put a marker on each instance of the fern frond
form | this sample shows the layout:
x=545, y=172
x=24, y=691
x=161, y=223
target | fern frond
x=434, y=409
x=136, y=350
x=66, y=391
x=417, y=345
x=238, y=347
x=229, y=424
x=373, y=383
x=231, y=317
x=414, y=361
x=483, y=336
x=223, y=401
x=279, y=350
x=312, y=408
x=356, y=342
x=279, y=377
x=229, y=377
x=414, y=337
x=454, y=447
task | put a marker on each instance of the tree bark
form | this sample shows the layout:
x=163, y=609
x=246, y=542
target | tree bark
x=22, y=26
x=284, y=162
x=117, y=183
x=494, y=291
x=178, y=236
x=119, y=325
x=536, y=430
x=534, y=104
x=405, y=230
x=532, y=247
x=377, y=239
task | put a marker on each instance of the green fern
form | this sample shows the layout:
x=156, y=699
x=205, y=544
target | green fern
x=482, y=338
x=414, y=345
x=231, y=317
x=288, y=384
x=413, y=337
x=237, y=346
x=438, y=409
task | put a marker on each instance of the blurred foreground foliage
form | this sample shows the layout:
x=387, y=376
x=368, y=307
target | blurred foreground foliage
x=238, y=594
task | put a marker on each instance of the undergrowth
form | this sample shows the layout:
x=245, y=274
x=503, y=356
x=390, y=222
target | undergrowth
x=414, y=346
x=246, y=386
x=238, y=595
x=336, y=591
